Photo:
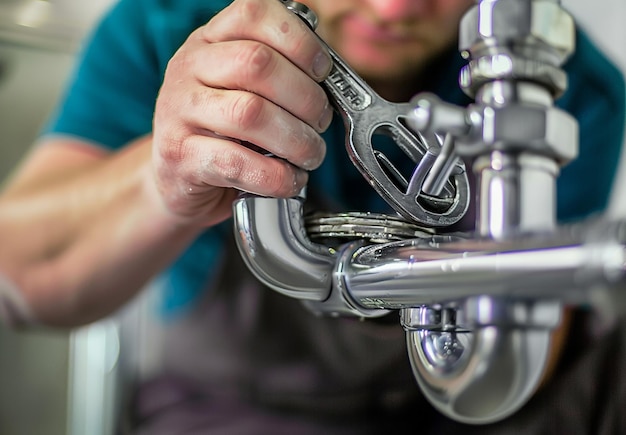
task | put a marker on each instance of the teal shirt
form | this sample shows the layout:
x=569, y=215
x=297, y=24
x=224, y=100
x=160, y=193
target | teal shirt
x=111, y=101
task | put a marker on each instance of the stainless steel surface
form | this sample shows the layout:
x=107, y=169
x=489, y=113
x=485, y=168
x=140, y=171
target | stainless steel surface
x=504, y=297
x=449, y=362
x=518, y=193
x=517, y=140
x=441, y=170
x=30, y=381
x=516, y=40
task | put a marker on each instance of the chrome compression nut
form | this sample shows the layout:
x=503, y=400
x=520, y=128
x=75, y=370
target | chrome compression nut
x=523, y=26
x=547, y=131
x=528, y=123
x=516, y=39
x=503, y=66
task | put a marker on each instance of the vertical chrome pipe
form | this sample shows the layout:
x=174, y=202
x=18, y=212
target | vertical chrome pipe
x=516, y=164
x=516, y=140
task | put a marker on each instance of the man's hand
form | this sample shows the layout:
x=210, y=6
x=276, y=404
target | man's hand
x=84, y=229
x=249, y=76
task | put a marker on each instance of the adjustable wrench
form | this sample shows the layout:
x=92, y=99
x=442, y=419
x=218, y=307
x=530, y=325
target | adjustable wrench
x=366, y=114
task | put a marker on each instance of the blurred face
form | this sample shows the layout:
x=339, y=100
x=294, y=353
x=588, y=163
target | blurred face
x=388, y=42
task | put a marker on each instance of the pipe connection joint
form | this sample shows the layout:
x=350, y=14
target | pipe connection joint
x=516, y=40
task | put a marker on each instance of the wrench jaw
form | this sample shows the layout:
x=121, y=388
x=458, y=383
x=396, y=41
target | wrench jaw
x=403, y=191
x=366, y=114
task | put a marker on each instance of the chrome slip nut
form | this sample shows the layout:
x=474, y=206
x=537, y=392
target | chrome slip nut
x=531, y=28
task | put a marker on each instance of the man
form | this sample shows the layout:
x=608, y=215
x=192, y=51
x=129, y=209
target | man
x=135, y=178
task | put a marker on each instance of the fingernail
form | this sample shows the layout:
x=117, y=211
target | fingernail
x=316, y=161
x=326, y=118
x=321, y=65
x=300, y=180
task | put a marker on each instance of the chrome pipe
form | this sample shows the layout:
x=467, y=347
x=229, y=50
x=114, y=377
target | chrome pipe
x=479, y=377
x=273, y=243
x=487, y=372
x=440, y=269
x=565, y=265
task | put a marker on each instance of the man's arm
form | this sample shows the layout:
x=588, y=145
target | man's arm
x=83, y=229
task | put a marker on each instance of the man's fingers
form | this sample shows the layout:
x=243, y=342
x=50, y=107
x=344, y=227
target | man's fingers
x=255, y=67
x=221, y=162
x=271, y=23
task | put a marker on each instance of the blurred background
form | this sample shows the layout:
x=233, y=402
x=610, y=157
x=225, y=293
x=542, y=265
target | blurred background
x=38, y=45
x=39, y=40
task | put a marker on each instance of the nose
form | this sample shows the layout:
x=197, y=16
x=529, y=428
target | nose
x=394, y=10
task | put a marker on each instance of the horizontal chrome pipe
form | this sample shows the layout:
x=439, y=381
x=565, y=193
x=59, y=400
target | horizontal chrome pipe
x=432, y=271
x=563, y=265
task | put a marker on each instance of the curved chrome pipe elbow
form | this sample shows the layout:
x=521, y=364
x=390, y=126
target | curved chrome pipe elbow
x=273, y=243
x=272, y=240
x=492, y=379
x=479, y=313
x=487, y=374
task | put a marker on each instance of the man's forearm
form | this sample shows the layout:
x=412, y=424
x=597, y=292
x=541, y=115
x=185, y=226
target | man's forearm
x=79, y=242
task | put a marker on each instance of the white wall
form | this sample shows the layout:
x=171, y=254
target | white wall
x=34, y=64
x=27, y=96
